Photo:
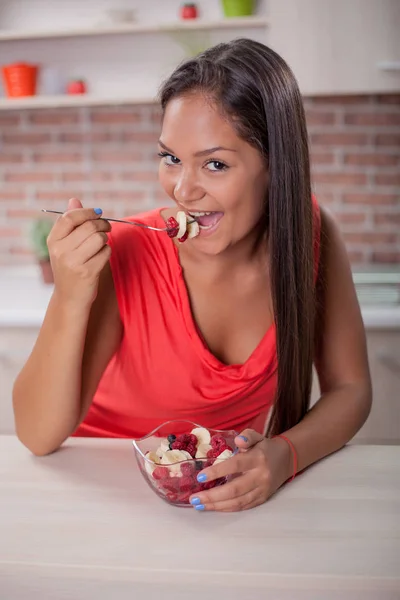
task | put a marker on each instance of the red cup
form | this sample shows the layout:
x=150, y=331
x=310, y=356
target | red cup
x=20, y=79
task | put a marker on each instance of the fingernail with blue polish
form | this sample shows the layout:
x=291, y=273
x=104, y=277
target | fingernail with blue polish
x=244, y=438
x=199, y=507
x=98, y=211
x=202, y=477
x=195, y=501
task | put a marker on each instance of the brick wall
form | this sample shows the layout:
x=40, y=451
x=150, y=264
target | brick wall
x=107, y=157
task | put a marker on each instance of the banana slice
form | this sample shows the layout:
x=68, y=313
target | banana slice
x=202, y=450
x=223, y=456
x=164, y=445
x=202, y=434
x=150, y=466
x=182, y=222
x=193, y=229
x=172, y=458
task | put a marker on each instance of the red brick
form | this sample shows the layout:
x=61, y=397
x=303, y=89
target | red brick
x=388, y=99
x=371, y=159
x=141, y=136
x=355, y=257
x=340, y=178
x=115, y=116
x=29, y=177
x=370, y=237
x=89, y=137
x=9, y=120
x=387, y=179
x=386, y=257
x=130, y=195
x=139, y=176
x=314, y=117
x=90, y=176
x=27, y=138
x=12, y=196
x=116, y=156
x=339, y=139
x=368, y=198
x=387, y=219
x=322, y=158
x=346, y=218
x=341, y=99
x=57, y=157
x=10, y=232
x=58, y=195
x=387, y=139
x=372, y=119
x=10, y=157
x=21, y=213
x=62, y=117
x=20, y=250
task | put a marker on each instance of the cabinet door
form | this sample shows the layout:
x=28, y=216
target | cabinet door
x=339, y=46
x=15, y=347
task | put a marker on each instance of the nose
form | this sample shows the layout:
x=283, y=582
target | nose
x=187, y=189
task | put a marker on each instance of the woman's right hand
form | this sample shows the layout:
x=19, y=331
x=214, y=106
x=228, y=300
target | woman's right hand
x=78, y=252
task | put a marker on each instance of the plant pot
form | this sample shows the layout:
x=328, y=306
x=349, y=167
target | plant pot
x=46, y=271
x=20, y=79
x=238, y=8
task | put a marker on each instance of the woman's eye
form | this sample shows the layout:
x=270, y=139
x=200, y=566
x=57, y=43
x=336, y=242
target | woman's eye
x=216, y=165
x=169, y=159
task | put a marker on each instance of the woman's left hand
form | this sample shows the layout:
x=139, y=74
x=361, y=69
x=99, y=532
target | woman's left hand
x=260, y=467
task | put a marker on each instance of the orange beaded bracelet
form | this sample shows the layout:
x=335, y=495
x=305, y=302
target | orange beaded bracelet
x=294, y=455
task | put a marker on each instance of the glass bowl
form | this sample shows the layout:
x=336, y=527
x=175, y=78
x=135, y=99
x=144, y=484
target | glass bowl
x=176, y=482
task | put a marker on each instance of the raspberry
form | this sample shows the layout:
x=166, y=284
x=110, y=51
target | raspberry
x=191, y=449
x=186, y=484
x=193, y=439
x=184, y=237
x=209, y=463
x=173, y=227
x=185, y=498
x=210, y=453
x=219, y=451
x=161, y=473
x=178, y=445
x=187, y=469
x=217, y=441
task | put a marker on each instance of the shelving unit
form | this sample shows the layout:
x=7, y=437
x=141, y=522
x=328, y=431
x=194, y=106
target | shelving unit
x=136, y=28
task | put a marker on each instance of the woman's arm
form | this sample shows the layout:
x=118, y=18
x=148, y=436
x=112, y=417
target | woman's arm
x=341, y=358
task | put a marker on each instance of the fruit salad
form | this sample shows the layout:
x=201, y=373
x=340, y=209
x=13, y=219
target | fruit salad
x=173, y=467
x=181, y=228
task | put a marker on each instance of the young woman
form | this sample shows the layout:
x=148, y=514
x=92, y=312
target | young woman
x=224, y=328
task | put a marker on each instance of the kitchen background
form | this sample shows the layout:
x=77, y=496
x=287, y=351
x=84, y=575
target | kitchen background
x=91, y=128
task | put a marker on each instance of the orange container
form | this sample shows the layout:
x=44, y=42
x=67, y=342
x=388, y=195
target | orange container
x=20, y=79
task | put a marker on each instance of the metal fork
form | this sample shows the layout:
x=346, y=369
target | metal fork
x=59, y=212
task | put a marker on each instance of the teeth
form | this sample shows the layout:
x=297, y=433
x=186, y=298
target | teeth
x=199, y=214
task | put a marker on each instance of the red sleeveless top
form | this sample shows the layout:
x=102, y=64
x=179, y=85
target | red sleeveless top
x=162, y=369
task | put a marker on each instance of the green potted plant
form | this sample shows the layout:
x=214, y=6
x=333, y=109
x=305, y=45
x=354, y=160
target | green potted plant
x=39, y=234
x=238, y=8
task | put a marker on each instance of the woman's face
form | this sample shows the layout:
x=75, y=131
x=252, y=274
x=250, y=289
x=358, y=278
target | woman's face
x=206, y=167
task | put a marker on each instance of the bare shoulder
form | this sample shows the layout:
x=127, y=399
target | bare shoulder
x=341, y=354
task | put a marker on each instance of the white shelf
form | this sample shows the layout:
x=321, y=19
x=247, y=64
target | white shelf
x=191, y=25
x=67, y=101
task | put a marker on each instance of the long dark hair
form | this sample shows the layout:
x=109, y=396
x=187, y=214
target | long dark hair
x=255, y=88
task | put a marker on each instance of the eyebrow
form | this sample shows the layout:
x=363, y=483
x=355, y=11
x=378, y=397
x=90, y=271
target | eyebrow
x=202, y=152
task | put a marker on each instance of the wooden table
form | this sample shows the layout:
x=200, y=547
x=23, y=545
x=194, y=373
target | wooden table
x=83, y=524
